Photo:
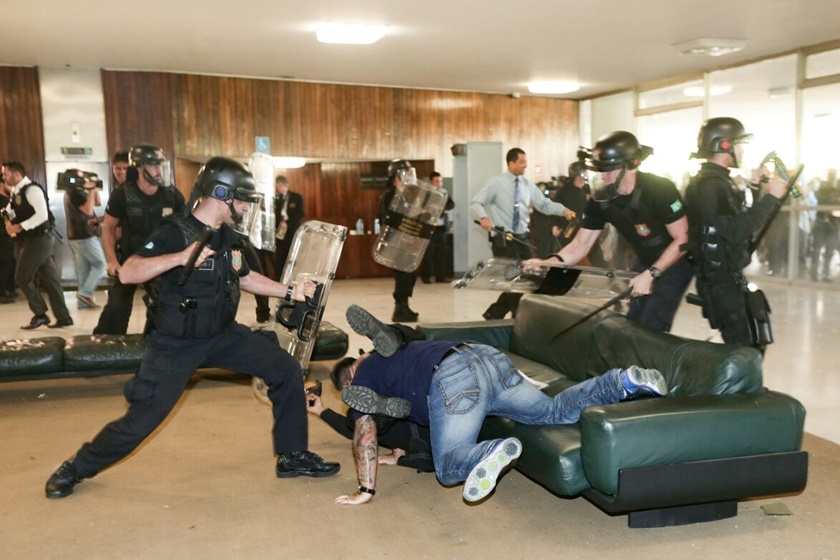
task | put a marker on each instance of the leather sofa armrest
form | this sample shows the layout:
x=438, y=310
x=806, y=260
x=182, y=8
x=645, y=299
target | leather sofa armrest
x=495, y=333
x=684, y=429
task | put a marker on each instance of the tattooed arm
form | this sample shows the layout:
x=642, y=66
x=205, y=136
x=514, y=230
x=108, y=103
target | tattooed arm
x=365, y=448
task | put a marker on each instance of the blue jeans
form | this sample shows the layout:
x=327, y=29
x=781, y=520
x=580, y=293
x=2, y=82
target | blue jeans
x=481, y=381
x=90, y=263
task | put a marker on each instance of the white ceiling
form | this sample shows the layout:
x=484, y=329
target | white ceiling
x=468, y=45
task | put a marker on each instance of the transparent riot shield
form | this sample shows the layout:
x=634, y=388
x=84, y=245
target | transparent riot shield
x=261, y=234
x=413, y=213
x=314, y=254
x=508, y=275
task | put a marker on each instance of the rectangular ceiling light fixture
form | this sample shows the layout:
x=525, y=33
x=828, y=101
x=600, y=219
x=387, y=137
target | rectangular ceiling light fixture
x=350, y=33
x=711, y=47
x=553, y=87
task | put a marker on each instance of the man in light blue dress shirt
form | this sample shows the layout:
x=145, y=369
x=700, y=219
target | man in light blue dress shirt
x=505, y=201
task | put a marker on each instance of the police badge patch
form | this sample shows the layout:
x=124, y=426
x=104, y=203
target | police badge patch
x=236, y=259
x=642, y=230
x=167, y=211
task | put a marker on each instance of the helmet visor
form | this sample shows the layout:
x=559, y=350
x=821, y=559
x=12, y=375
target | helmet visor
x=604, y=185
x=246, y=223
x=158, y=172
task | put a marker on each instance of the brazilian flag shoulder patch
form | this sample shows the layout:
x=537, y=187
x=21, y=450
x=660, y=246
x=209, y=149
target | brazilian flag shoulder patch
x=675, y=207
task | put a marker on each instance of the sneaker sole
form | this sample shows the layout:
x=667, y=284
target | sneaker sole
x=365, y=324
x=649, y=382
x=368, y=401
x=482, y=479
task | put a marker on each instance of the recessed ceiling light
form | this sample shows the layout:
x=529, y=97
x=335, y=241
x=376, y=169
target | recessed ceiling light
x=350, y=33
x=553, y=87
x=711, y=47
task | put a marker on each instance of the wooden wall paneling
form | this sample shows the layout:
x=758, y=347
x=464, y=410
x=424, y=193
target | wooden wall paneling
x=138, y=110
x=21, y=123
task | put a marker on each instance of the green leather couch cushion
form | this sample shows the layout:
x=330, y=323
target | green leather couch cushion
x=691, y=367
x=331, y=343
x=31, y=357
x=492, y=333
x=104, y=352
x=550, y=454
x=539, y=318
x=682, y=429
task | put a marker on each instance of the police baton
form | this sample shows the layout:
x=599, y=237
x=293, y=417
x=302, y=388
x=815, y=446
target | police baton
x=609, y=303
x=508, y=235
x=203, y=240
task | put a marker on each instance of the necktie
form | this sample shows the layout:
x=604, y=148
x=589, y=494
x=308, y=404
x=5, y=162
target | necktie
x=515, y=205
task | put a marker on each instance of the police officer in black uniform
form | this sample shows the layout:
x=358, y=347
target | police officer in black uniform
x=136, y=207
x=195, y=327
x=403, y=281
x=721, y=232
x=648, y=212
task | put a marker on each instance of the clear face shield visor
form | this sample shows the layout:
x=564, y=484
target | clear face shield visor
x=245, y=215
x=407, y=176
x=158, y=173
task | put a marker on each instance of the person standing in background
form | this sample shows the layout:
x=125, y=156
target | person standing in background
x=434, y=261
x=288, y=211
x=505, y=202
x=80, y=198
x=32, y=224
x=7, y=251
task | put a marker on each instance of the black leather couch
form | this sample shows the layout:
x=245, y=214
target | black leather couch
x=90, y=355
x=718, y=437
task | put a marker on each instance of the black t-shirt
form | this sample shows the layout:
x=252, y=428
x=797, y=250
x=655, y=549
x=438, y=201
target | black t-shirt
x=78, y=223
x=641, y=216
x=138, y=223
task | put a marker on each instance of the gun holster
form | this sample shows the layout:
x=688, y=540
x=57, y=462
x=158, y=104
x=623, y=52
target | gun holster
x=758, y=315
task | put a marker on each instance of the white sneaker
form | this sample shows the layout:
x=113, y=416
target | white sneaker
x=482, y=479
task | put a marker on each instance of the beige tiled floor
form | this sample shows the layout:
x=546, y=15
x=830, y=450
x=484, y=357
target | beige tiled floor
x=806, y=322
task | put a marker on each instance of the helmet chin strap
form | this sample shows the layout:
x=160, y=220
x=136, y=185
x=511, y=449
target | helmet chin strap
x=613, y=188
x=237, y=217
x=151, y=179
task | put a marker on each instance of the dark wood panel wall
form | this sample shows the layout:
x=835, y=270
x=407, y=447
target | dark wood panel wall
x=138, y=110
x=220, y=115
x=21, y=125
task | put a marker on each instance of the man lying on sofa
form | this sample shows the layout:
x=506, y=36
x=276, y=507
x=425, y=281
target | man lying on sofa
x=452, y=387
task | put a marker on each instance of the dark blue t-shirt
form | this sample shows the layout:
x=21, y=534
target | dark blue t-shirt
x=407, y=374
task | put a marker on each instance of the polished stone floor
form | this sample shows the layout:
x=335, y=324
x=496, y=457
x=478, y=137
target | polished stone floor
x=806, y=319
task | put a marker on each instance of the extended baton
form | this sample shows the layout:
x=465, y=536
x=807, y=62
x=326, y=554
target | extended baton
x=203, y=240
x=610, y=303
x=508, y=235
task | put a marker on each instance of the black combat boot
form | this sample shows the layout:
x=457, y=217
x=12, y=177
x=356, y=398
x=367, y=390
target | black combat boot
x=62, y=481
x=304, y=463
x=403, y=314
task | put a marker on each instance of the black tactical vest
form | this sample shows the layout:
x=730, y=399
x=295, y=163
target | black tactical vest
x=207, y=303
x=24, y=210
x=143, y=213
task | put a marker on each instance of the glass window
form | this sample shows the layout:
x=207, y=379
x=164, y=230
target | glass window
x=671, y=95
x=826, y=63
x=673, y=137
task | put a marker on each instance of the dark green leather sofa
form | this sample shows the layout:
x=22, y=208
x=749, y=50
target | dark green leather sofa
x=718, y=437
x=90, y=355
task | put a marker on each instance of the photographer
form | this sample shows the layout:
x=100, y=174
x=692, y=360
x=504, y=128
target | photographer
x=80, y=197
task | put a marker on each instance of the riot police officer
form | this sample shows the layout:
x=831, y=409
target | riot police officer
x=648, y=212
x=403, y=281
x=194, y=327
x=721, y=231
x=136, y=207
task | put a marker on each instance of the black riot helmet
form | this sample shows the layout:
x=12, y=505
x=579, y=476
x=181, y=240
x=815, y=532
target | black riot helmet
x=226, y=179
x=616, y=150
x=143, y=155
x=719, y=136
x=397, y=165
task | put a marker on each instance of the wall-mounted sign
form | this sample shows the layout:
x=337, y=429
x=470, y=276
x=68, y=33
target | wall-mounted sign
x=74, y=151
x=262, y=145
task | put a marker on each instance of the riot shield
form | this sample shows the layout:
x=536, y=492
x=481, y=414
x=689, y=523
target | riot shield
x=409, y=224
x=261, y=235
x=314, y=254
x=508, y=275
